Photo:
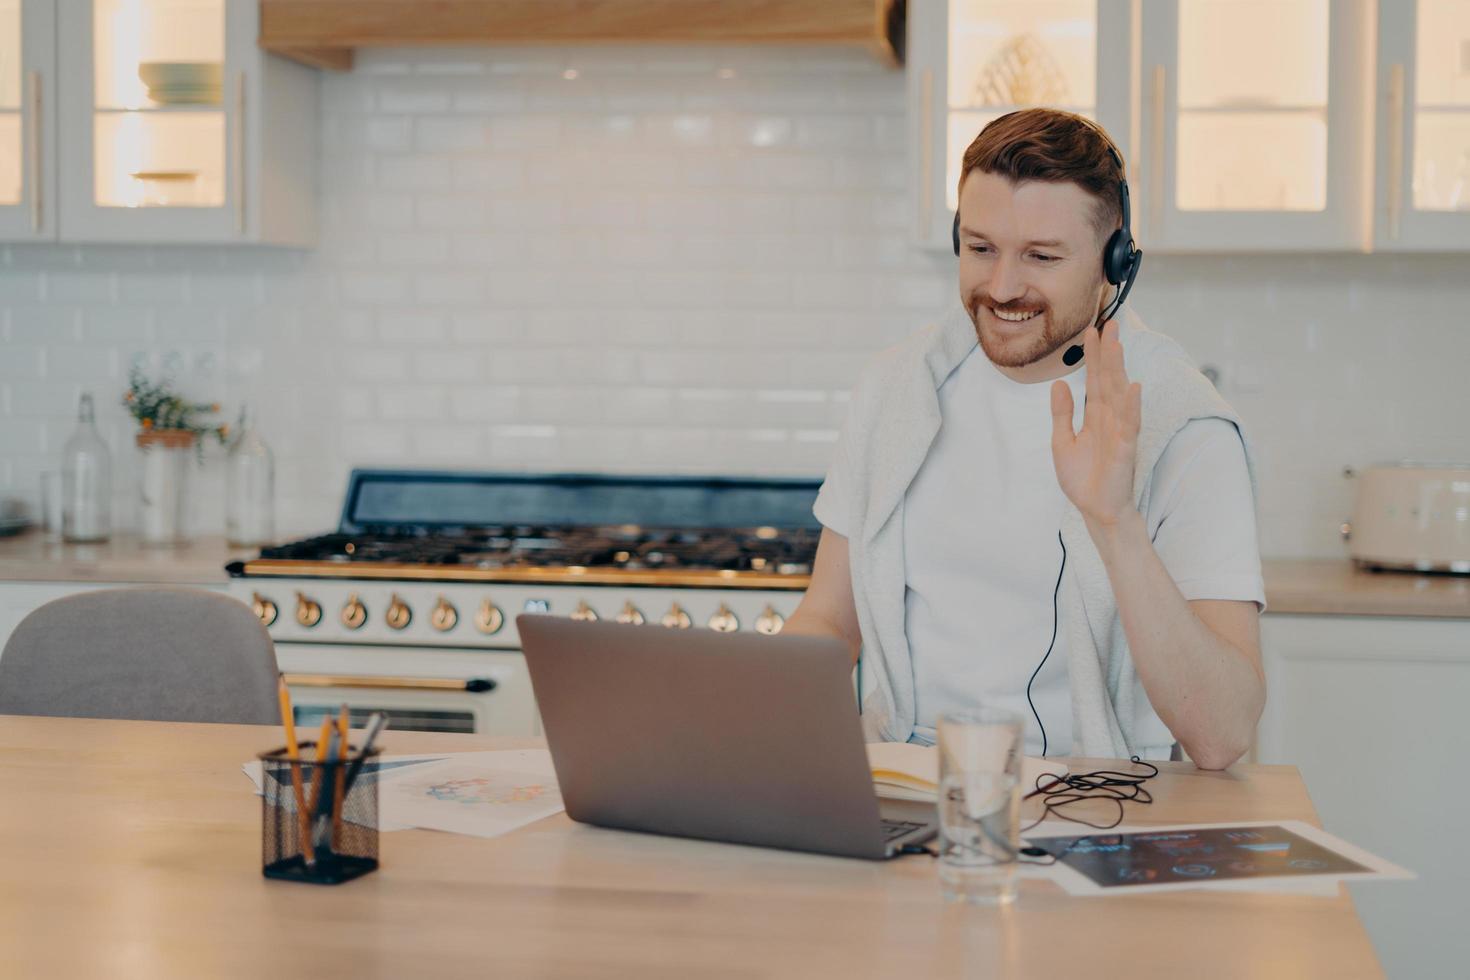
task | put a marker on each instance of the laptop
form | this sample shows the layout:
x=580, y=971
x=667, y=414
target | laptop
x=733, y=737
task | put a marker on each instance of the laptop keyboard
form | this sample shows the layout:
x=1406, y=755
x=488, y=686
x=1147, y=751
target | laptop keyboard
x=893, y=829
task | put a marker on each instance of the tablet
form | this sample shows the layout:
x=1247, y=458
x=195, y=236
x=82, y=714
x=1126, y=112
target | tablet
x=1160, y=858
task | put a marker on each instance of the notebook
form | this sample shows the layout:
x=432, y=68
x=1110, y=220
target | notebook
x=905, y=771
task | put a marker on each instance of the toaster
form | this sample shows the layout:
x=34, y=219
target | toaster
x=1412, y=516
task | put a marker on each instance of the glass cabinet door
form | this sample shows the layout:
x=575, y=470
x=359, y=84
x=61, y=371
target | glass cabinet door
x=152, y=117
x=27, y=117
x=12, y=123
x=1423, y=199
x=1252, y=116
x=972, y=61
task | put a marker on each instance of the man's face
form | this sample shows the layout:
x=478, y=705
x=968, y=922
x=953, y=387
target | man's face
x=1030, y=265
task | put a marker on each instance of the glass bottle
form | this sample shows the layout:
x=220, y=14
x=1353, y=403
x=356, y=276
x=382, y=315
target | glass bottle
x=250, y=476
x=86, y=480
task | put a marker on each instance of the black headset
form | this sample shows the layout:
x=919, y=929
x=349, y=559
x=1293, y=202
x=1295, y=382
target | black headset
x=1120, y=258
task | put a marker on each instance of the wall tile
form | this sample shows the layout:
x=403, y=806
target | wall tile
x=79, y=287
x=57, y=324
x=449, y=134
x=411, y=403
x=413, y=96
x=81, y=363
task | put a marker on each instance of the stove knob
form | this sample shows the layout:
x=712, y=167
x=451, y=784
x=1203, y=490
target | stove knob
x=444, y=617
x=676, y=618
x=308, y=612
x=354, y=614
x=264, y=609
x=769, y=622
x=584, y=613
x=489, y=618
x=398, y=615
x=724, y=621
x=630, y=616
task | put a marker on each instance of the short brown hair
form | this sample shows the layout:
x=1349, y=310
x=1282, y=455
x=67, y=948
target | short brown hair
x=1053, y=146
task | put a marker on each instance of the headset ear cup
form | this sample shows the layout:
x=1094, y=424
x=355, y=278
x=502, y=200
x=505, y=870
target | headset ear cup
x=1117, y=256
x=955, y=234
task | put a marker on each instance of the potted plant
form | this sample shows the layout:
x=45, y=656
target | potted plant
x=170, y=430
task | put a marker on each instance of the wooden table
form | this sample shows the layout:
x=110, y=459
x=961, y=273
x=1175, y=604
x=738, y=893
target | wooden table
x=132, y=849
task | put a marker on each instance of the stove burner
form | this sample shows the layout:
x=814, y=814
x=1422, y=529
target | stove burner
x=784, y=551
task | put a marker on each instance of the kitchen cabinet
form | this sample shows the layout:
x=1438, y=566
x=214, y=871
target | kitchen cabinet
x=1254, y=139
x=153, y=121
x=27, y=120
x=1371, y=709
x=1237, y=139
x=971, y=61
x=1422, y=200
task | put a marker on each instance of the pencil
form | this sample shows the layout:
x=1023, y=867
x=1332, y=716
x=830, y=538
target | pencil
x=342, y=732
x=293, y=752
x=316, y=777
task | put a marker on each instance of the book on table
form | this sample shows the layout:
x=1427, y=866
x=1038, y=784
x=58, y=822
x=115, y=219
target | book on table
x=905, y=771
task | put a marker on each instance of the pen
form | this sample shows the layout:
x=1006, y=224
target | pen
x=293, y=752
x=375, y=724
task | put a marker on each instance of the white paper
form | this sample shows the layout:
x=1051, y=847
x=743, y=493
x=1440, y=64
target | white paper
x=484, y=794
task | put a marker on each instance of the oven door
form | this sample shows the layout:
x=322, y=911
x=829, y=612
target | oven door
x=471, y=692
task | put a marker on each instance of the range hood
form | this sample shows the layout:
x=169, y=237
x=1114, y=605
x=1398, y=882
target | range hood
x=326, y=33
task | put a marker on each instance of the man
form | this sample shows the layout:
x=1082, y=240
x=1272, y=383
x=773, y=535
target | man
x=978, y=450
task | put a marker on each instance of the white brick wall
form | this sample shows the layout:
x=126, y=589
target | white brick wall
x=676, y=261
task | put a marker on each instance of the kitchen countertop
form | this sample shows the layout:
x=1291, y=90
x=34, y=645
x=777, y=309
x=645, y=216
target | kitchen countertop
x=1295, y=586
x=124, y=559
x=1336, y=587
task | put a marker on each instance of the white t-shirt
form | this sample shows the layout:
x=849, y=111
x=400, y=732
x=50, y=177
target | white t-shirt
x=981, y=555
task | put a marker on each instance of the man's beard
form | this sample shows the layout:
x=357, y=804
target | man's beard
x=1014, y=352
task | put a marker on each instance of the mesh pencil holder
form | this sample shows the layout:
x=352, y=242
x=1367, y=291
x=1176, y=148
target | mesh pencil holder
x=318, y=823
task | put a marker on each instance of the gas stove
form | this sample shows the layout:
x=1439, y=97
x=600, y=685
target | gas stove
x=649, y=531
x=410, y=604
x=629, y=553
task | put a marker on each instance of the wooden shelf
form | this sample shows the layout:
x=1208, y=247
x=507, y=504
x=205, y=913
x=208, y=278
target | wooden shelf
x=325, y=33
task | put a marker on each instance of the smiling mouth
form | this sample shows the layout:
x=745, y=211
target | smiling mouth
x=1016, y=317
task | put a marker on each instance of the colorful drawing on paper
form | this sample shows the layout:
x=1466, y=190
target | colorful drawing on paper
x=484, y=789
x=484, y=794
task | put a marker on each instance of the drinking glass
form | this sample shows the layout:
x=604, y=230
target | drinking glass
x=979, y=805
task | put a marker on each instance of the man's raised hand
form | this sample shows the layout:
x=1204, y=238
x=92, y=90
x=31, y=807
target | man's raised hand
x=1095, y=465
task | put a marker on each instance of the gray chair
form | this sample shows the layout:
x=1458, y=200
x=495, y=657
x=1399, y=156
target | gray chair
x=143, y=654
